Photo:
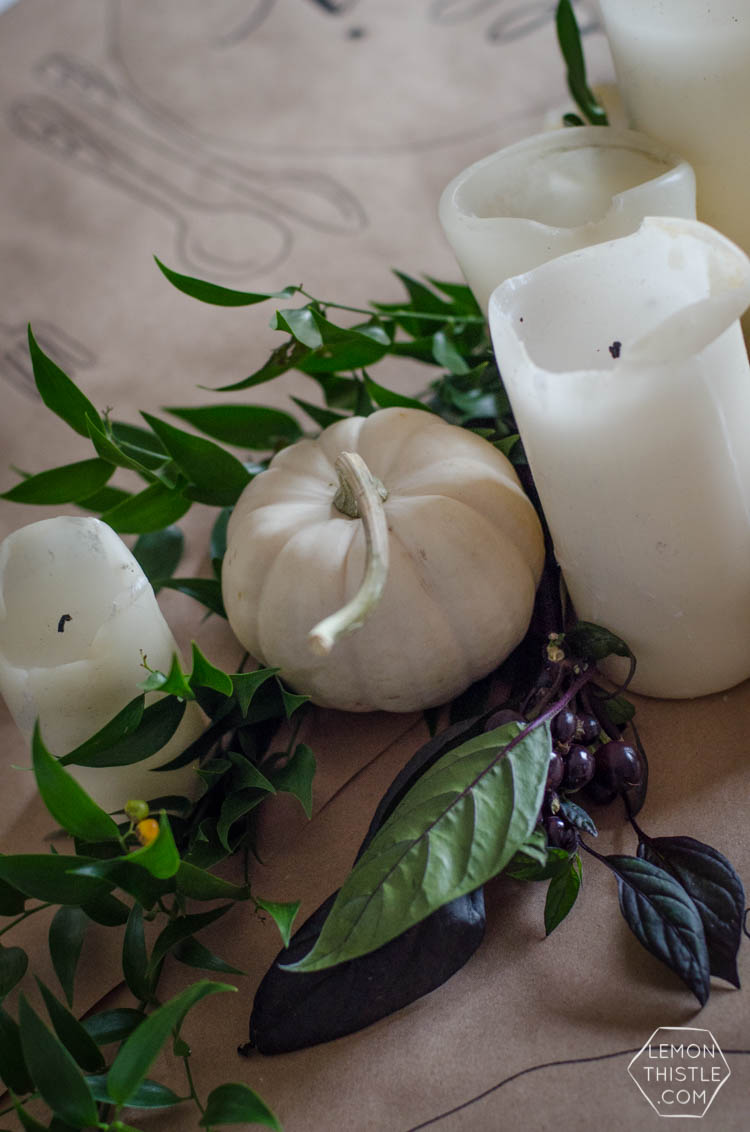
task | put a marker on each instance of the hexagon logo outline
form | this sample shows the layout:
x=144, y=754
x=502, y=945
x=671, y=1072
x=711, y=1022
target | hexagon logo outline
x=681, y=1057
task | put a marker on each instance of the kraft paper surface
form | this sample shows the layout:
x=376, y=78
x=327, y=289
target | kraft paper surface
x=306, y=141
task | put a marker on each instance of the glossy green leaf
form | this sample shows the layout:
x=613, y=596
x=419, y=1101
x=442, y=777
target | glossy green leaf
x=159, y=552
x=109, y=450
x=46, y=876
x=293, y=701
x=283, y=358
x=121, y=725
x=139, y=442
x=58, y=392
x=206, y=591
x=54, y=1071
x=149, y=1094
x=283, y=915
x=207, y=675
x=13, y=965
x=300, y=323
x=107, y=910
x=237, y=1104
x=388, y=398
x=67, y=932
x=484, y=797
x=110, y=1026
x=131, y=877
x=67, y=484
x=569, y=38
x=343, y=349
x=246, y=426
x=172, y=683
x=562, y=894
x=193, y=954
x=150, y=510
x=233, y=807
x=13, y=1071
x=246, y=684
x=198, y=884
x=446, y=354
x=219, y=476
x=296, y=777
x=219, y=296
x=322, y=417
x=158, y=724
x=68, y=803
x=135, y=966
x=246, y=774
x=140, y=1050
x=71, y=1033
x=460, y=294
x=160, y=858
x=180, y=928
x=578, y=817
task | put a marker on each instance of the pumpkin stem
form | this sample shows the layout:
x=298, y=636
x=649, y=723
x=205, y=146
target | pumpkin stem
x=360, y=496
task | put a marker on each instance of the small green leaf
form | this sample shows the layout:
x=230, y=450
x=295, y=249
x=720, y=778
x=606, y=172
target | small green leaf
x=194, y=954
x=174, y=683
x=233, y=807
x=13, y=1071
x=246, y=774
x=561, y=894
x=283, y=915
x=55, y=1074
x=149, y=1094
x=159, y=552
x=139, y=1051
x=446, y=354
x=237, y=1104
x=218, y=475
x=297, y=776
x=106, y=910
x=593, y=642
x=219, y=296
x=135, y=957
x=68, y=802
x=67, y=932
x=207, y=591
x=207, y=675
x=152, y=509
x=199, y=884
x=13, y=965
x=112, y=1025
x=388, y=398
x=58, y=392
x=67, y=484
x=246, y=426
x=109, y=450
x=322, y=417
x=300, y=323
x=292, y=700
x=71, y=1033
x=283, y=358
x=577, y=816
x=246, y=684
x=128, y=876
x=160, y=858
x=181, y=928
x=158, y=724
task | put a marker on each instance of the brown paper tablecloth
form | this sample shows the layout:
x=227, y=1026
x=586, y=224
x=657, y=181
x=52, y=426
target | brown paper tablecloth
x=259, y=143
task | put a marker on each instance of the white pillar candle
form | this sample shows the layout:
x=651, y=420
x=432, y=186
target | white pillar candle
x=629, y=379
x=556, y=192
x=76, y=615
x=683, y=67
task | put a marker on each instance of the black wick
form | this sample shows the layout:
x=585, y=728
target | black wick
x=61, y=623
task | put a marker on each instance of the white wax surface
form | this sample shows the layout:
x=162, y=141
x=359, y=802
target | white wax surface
x=555, y=192
x=683, y=67
x=642, y=461
x=74, y=675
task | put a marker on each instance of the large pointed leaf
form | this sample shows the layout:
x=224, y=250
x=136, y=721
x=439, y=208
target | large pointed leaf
x=58, y=392
x=247, y=426
x=139, y=1051
x=237, y=1104
x=485, y=796
x=47, y=876
x=55, y=1074
x=71, y=1033
x=13, y=964
x=217, y=295
x=13, y=1071
x=68, y=802
x=156, y=727
x=218, y=476
x=66, y=935
x=70, y=483
x=716, y=889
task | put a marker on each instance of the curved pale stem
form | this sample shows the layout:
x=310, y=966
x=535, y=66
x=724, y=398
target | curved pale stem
x=360, y=495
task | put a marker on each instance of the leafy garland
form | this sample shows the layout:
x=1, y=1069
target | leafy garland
x=682, y=899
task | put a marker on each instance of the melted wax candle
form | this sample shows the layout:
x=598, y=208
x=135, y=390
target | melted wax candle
x=77, y=616
x=629, y=380
x=556, y=192
x=683, y=68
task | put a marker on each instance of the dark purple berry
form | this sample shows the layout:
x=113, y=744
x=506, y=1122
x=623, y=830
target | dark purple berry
x=556, y=770
x=588, y=729
x=618, y=768
x=563, y=725
x=559, y=834
x=579, y=768
x=501, y=717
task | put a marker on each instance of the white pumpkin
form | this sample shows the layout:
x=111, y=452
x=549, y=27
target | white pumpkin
x=452, y=542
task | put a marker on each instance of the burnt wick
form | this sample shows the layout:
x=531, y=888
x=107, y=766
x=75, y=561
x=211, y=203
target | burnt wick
x=61, y=623
x=615, y=348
